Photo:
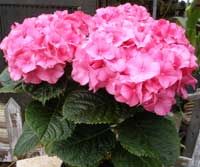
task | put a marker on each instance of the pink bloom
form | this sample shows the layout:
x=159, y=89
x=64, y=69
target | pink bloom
x=140, y=61
x=142, y=68
x=38, y=49
x=168, y=75
x=161, y=103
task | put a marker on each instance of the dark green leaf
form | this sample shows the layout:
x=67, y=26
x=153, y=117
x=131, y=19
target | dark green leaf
x=122, y=158
x=87, y=146
x=27, y=141
x=47, y=123
x=83, y=106
x=66, y=165
x=149, y=135
x=8, y=85
x=134, y=140
x=45, y=91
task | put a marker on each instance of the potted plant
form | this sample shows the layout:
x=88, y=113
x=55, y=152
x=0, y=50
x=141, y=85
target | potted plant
x=102, y=86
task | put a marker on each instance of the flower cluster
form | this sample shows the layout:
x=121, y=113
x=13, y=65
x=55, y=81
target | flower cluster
x=139, y=60
x=37, y=50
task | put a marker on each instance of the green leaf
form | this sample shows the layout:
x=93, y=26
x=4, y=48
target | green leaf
x=27, y=141
x=149, y=135
x=8, y=89
x=122, y=158
x=182, y=21
x=197, y=48
x=5, y=79
x=191, y=26
x=193, y=18
x=133, y=139
x=47, y=123
x=67, y=165
x=83, y=106
x=45, y=91
x=8, y=85
x=87, y=146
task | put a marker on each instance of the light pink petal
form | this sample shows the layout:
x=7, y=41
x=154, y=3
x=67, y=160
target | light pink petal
x=163, y=107
x=15, y=73
x=31, y=78
x=80, y=74
x=141, y=69
x=50, y=75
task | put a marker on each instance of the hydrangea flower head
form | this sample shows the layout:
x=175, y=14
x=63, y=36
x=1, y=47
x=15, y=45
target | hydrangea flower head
x=139, y=60
x=37, y=50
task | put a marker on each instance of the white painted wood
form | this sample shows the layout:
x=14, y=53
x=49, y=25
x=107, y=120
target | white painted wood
x=10, y=129
x=42, y=161
x=13, y=121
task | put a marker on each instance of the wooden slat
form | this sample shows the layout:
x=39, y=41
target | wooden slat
x=4, y=140
x=194, y=96
x=2, y=125
x=43, y=2
x=195, y=162
x=88, y=6
x=13, y=121
x=193, y=130
x=12, y=14
x=12, y=130
x=194, y=126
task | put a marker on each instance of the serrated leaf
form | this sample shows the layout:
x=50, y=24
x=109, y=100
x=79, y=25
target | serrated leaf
x=133, y=140
x=8, y=85
x=83, y=106
x=87, y=146
x=47, y=123
x=160, y=136
x=122, y=158
x=45, y=91
x=27, y=141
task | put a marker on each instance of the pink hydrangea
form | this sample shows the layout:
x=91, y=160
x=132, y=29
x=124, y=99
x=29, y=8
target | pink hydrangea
x=38, y=49
x=139, y=60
